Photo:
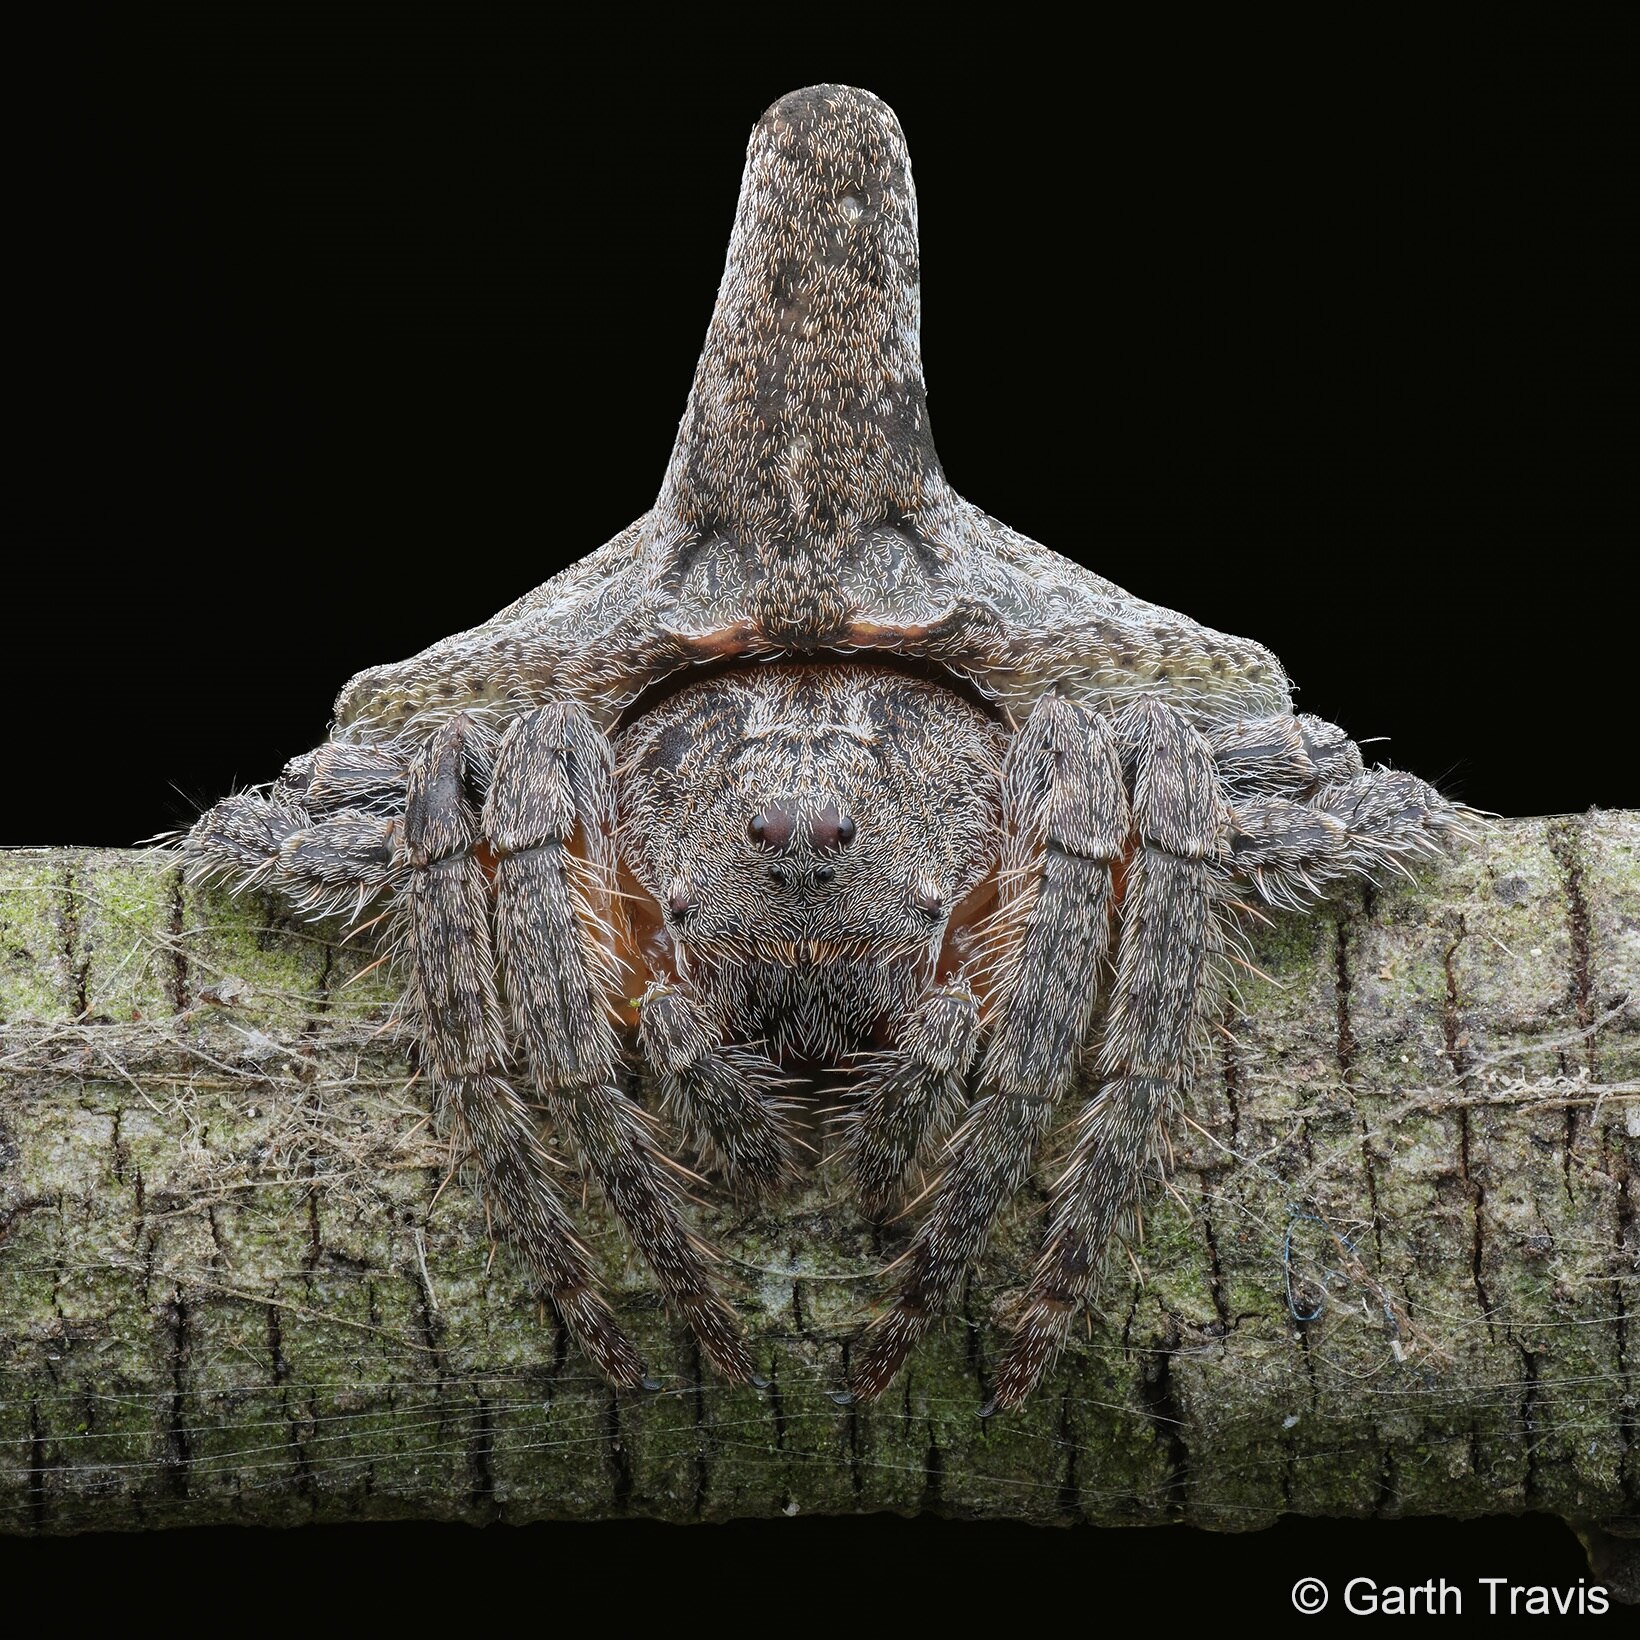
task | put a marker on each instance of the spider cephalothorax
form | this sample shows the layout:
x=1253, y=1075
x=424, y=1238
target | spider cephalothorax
x=840, y=779
x=808, y=832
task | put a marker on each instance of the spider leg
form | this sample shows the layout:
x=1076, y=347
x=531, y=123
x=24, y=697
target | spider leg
x=904, y=1101
x=725, y=1097
x=1304, y=811
x=1285, y=756
x=333, y=864
x=1170, y=934
x=339, y=775
x=452, y=966
x=1067, y=812
x=1292, y=851
x=547, y=819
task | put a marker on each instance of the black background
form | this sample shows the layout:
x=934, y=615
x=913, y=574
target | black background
x=348, y=326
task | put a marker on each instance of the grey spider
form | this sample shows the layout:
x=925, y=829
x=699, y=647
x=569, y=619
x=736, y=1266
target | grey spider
x=837, y=771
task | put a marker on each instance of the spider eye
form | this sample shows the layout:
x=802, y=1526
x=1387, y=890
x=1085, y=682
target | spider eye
x=926, y=896
x=824, y=874
x=773, y=826
x=830, y=829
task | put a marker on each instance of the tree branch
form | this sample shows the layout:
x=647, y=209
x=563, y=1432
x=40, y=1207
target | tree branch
x=1395, y=1271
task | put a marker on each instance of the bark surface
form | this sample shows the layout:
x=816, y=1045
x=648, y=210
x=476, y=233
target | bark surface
x=1395, y=1272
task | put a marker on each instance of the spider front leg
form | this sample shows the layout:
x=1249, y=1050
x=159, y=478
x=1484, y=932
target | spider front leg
x=452, y=965
x=1067, y=817
x=1170, y=936
x=548, y=820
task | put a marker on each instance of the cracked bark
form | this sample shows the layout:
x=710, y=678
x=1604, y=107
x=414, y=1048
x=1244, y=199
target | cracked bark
x=232, y=1288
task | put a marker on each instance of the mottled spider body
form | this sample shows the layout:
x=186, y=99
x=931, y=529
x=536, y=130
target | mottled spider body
x=847, y=784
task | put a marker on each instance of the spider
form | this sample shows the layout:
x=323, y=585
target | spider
x=828, y=772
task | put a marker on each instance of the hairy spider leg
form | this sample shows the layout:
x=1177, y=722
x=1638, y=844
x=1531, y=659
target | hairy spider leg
x=548, y=818
x=725, y=1097
x=1170, y=933
x=1067, y=817
x=338, y=863
x=1291, y=852
x=1282, y=756
x=453, y=974
x=905, y=1100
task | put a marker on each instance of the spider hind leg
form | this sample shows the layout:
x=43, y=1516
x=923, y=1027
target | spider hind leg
x=336, y=863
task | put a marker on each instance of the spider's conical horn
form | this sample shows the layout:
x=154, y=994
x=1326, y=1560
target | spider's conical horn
x=807, y=424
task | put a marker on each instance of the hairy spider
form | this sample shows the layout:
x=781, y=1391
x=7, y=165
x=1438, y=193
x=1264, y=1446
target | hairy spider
x=835, y=770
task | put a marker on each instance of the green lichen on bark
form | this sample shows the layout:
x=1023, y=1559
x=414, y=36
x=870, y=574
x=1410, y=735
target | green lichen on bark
x=1395, y=1271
